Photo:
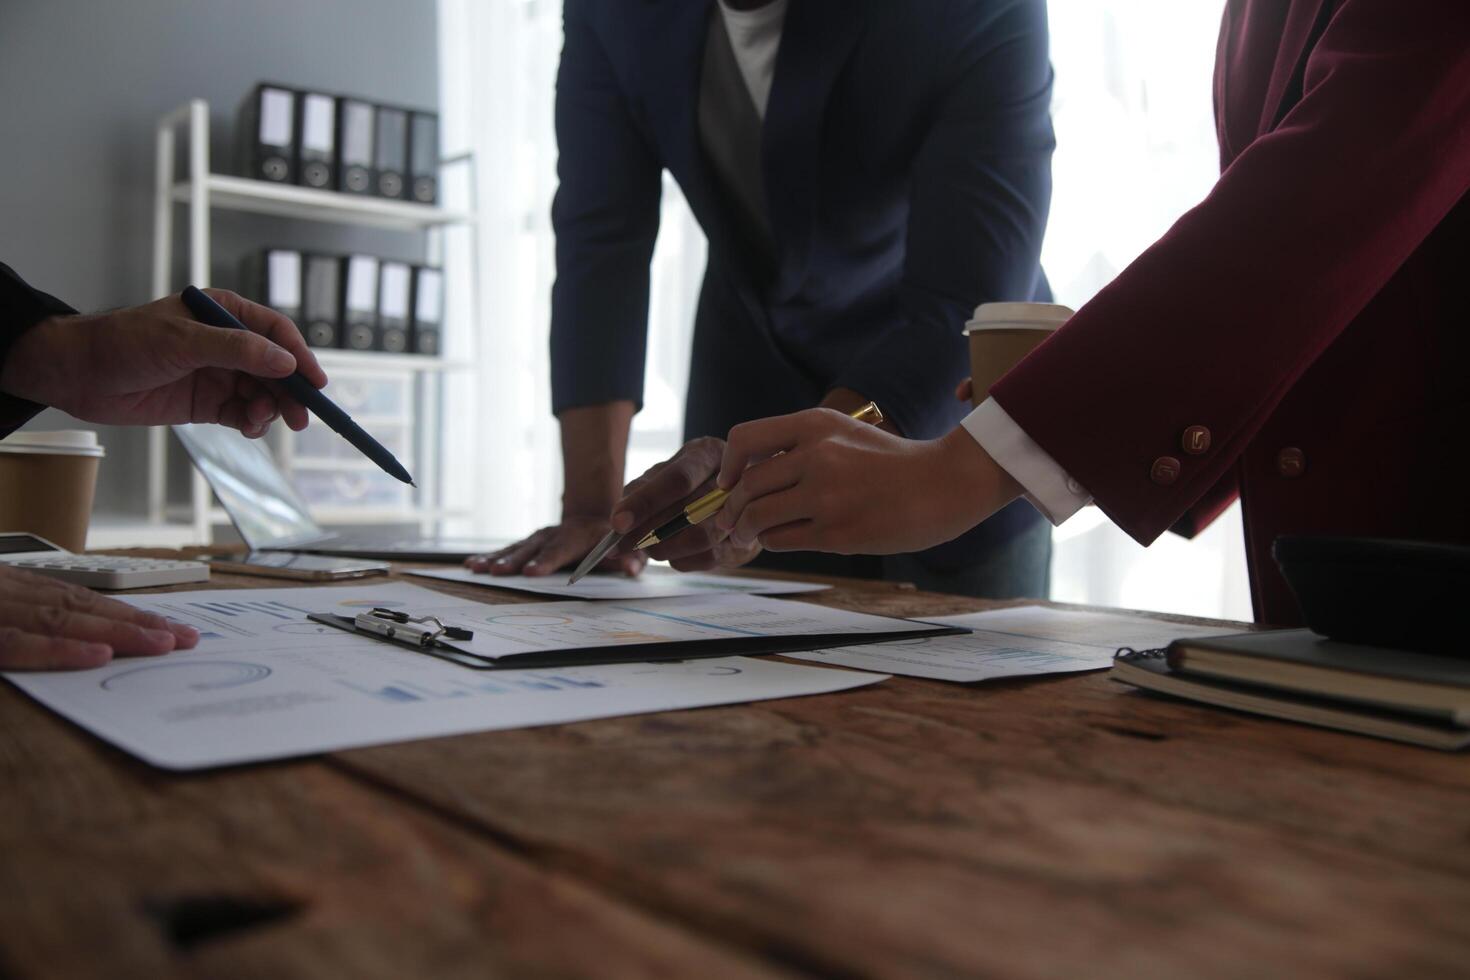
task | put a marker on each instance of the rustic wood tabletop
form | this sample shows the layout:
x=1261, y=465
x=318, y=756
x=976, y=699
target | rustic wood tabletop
x=1031, y=828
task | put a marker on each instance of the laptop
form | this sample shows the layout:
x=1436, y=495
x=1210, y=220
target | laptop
x=271, y=516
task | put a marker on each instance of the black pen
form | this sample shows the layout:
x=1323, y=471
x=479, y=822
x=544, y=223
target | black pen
x=207, y=311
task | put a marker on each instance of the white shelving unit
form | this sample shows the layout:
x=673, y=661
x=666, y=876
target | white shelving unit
x=202, y=192
x=291, y=201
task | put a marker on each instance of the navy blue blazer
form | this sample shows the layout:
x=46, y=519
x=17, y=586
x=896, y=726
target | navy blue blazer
x=906, y=154
x=21, y=307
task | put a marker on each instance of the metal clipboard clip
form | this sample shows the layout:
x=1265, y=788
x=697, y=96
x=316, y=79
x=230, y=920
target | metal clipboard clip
x=416, y=631
x=425, y=634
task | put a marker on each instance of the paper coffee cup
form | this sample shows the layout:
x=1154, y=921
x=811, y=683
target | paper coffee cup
x=47, y=481
x=1001, y=334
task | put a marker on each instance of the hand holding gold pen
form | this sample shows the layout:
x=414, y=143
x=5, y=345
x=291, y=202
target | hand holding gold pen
x=695, y=512
x=709, y=505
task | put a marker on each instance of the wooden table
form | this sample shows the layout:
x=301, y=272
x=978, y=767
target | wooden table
x=1051, y=827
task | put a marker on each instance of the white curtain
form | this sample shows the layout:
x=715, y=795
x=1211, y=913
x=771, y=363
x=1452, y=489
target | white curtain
x=1135, y=149
x=498, y=66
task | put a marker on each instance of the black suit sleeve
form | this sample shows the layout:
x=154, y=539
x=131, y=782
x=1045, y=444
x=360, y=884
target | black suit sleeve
x=605, y=215
x=21, y=308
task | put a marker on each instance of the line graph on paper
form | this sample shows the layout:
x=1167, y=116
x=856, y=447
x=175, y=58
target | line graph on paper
x=186, y=675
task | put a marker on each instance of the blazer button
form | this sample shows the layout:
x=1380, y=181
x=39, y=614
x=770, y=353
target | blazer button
x=1291, y=463
x=1196, y=440
x=1165, y=471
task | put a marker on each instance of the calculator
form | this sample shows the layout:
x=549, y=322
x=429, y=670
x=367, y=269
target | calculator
x=35, y=554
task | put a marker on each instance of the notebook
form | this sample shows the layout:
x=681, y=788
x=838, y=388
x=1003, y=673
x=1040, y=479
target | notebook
x=1150, y=671
x=1302, y=661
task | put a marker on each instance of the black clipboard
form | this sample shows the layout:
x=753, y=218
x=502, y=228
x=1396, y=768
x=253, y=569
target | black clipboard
x=734, y=646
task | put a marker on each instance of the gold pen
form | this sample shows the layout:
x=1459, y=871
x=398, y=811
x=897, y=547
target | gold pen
x=707, y=506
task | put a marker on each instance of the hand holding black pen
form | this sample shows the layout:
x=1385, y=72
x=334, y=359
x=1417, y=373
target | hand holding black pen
x=207, y=311
x=155, y=365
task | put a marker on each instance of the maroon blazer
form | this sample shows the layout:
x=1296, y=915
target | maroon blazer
x=1302, y=337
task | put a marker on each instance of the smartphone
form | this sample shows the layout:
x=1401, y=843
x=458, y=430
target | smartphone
x=290, y=564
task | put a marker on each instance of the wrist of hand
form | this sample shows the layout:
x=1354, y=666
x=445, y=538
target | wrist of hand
x=586, y=507
x=972, y=484
x=591, y=492
x=594, y=442
x=35, y=359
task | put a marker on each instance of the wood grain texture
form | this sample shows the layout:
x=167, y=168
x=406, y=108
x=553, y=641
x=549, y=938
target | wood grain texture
x=901, y=833
x=110, y=869
x=1027, y=828
x=1022, y=828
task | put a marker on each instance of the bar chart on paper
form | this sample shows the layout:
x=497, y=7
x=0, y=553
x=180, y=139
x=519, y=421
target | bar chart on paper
x=408, y=692
x=253, y=614
x=240, y=618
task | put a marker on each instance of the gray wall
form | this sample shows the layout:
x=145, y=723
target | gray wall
x=82, y=83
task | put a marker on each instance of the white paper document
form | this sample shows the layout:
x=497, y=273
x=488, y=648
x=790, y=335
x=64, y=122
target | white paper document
x=537, y=628
x=266, y=683
x=1016, y=642
x=652, y=584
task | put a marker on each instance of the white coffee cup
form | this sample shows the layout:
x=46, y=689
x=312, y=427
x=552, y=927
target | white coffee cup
x=47, y=482
x=1002, y=334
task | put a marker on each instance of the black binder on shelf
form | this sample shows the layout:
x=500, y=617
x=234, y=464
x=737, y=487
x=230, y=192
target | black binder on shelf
x=393, y=300
x=316, y=139
x=355, y=126
x=359, y=302
x=428, y=310
x=321, y=300
x=273, y=277
x=265, y=133
x=423, y=157
x=390, y=156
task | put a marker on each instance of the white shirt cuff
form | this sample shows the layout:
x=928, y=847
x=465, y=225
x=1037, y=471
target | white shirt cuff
x=1042, y=478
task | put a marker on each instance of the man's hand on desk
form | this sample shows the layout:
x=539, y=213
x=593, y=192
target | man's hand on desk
x=554, y=548
x=662, y=492
x=156, y=365
x=50, y=625
x=594, y=443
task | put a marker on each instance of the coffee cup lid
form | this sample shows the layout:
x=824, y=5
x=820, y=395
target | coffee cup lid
x=64, y=442
x=1018, y=316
